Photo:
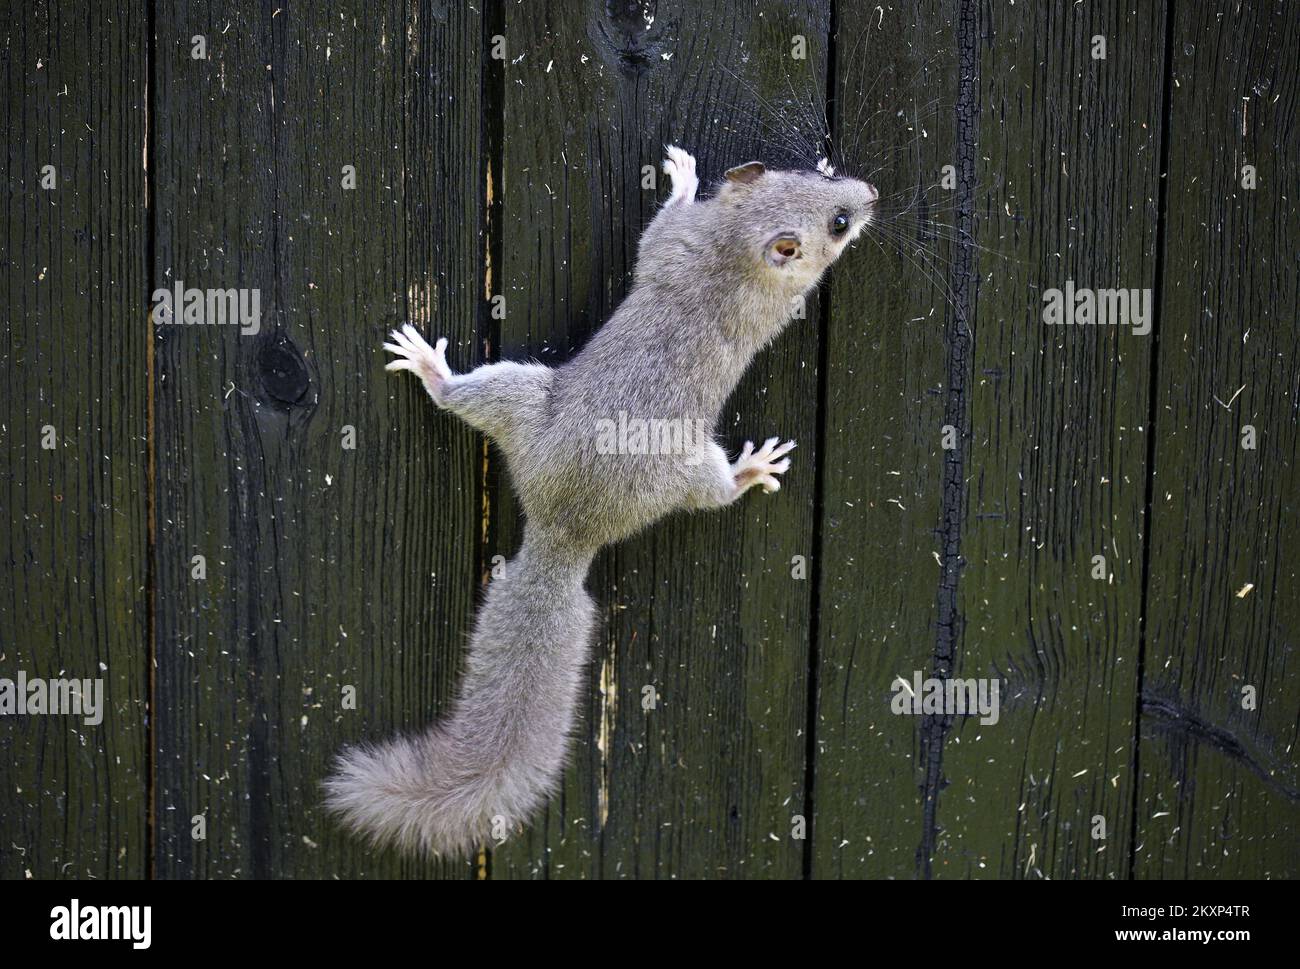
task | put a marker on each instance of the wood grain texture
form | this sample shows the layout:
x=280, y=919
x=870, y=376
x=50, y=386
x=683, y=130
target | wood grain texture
x=502, y=152
x=976, y=562
x=73, y=520
x=327, y=567
x=1220, y=795
x=702, y=609
x=1056, y=469
x=889, y=336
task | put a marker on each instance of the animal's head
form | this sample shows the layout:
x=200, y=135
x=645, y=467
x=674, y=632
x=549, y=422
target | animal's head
x=791, y=225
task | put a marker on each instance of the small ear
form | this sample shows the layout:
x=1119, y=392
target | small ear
x=746, y=173
x=782, y=250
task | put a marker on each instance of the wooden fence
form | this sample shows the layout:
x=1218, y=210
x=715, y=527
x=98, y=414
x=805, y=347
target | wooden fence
x=237, y=533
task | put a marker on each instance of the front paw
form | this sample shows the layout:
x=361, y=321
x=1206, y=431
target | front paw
x=679, y=166
x=429, y=363
x=762, y=467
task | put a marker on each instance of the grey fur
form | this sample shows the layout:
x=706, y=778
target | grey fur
x=715, y=281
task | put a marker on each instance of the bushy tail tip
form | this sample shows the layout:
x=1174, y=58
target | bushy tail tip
x=387, y=794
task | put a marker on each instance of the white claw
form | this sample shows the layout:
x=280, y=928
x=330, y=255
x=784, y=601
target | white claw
x=429, y=363
x=761, y=467
x=679, y=166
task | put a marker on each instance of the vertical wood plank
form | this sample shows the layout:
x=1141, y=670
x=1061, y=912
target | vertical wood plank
x=892, y=314
x=1057, y=454
x=980, y=566
x=701, y=609
x=1220, y=796
x=73, y=516
x=328, y=568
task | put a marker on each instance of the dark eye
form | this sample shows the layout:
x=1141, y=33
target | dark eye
x=840, y=224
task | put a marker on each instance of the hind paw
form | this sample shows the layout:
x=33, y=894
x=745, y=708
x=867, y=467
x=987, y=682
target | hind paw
x=761, y=467
x=429, y=363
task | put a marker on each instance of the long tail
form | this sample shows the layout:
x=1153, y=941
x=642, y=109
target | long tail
x=500, y=753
